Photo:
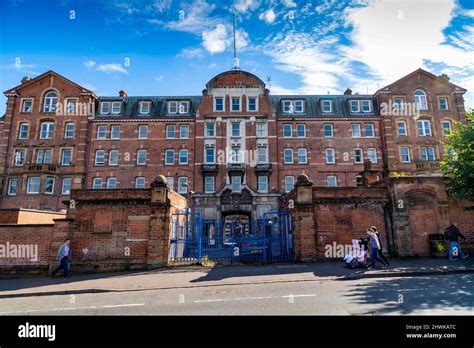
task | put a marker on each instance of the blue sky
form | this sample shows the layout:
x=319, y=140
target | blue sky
x=173, y=47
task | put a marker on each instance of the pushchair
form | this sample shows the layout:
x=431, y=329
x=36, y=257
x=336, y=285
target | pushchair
x=360, y=256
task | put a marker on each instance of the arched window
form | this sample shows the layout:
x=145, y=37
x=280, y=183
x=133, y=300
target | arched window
x=50, y=101
x=420, y=100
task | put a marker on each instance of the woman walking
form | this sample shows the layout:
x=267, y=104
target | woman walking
x=380, y=251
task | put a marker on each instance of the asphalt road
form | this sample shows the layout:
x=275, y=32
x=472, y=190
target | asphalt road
x=436, y=295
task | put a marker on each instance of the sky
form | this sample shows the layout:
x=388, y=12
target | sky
x=174, y=47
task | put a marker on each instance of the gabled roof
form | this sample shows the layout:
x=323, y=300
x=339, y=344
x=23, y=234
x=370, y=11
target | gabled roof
x=424, y=72
x=13, y=91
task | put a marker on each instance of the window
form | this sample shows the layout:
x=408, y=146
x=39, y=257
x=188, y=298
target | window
x=424, y=128
x=402, y=128
x=330, y=156
x=46, y=130
x=287, y=131
x=355, y=130
x=209, y=184
x=105, y=107
x=235, y=106
x=398, y=103
x=115, y=132
x=111, y=183
x=184, y=132
x=358, y=157
x=50, y=101
x=33, y=185
x=183, y=156
x=26, y=106
x=23, y=131
x=43, y=156
x=262, y=131
x=113, y=157
x=143, y=131
x=359, y=181
x=288, y=156
x=170, y=131
x=219, y=104
x=140, y=182
x=69, y=130
x=428, y=154
x=420, y=100
x=366, y=106
x=446, y=127
x=293, y=106
x=328, y=130
x=301, y=130
x=99, y=157
x=66, y=157
x=355, y=106
x=66, y=186
x=145, y=107
x=262, y=184
x=49, y=185
x=235, y=128
x=141, y=157
x=20, y=157
x=210, y=130
x=172, y=107
x=12, y=187
x=369, y=130
x=210, y=155
x=235, y=155
x=443, y=103
x=302, y=156
x=372, y=155
x=262, y=155
x=97, y=184
x=101, y=132
x=289, y=183
x=183, y=107
x=252, y=104
x=183, y=184
x=326, y=106
x=116, y=107
x=178, y=107
x=169, y=157
x=170, y=182
x=405, y=154
x=236, y=183
x=71, y=106
x=331, y=181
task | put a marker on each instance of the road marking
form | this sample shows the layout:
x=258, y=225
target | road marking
x=124, y=305
x=76, y=308
x=253, y=298
x=307, y=295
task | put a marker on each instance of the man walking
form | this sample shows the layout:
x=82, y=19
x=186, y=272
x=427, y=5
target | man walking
x=374, y=248
x=453, y=234
x=64, y=256
x=380, y=251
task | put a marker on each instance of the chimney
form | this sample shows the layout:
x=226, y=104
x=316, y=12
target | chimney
x=444, y=77
x=25, y=79
x=122, y=93
x=348, y=91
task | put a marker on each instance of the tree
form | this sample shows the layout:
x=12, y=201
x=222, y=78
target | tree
x=458, y=164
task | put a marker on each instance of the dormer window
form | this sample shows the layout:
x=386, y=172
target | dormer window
x=235, y=103
x=116, y=107
x=293, y=106
x=326, y=106
x=50, y=101
x=145, y=107
x=252, y=104
x=219, y=104
x=355, y=107
x=366, y=106
x=178, y=107
x=105, y=107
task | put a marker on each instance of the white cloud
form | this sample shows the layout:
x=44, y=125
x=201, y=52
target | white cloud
x=243, y=6
x=194, y=18
x=112, y=68
x=89, y=63
x=162, y=5
x=214, y=41
x=191, y=53
x=288, y=3
x=268, y=16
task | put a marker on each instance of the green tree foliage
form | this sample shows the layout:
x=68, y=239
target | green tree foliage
x=458, y=164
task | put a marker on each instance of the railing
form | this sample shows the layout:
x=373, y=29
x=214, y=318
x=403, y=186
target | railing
x=427, y=165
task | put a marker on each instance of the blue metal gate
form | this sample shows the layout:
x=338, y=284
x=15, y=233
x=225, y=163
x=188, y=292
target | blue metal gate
x=237, y=238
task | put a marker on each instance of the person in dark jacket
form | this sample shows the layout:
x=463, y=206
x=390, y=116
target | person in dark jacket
x=453, y=234
x=64, y=257
x=380, y=251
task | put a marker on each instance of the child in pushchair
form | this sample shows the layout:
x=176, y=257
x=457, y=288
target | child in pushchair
x=360, y=256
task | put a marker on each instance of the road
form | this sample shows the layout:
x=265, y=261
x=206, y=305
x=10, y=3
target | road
x=437, y=295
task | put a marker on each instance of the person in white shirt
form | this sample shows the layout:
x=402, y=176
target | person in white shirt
x=64, y=256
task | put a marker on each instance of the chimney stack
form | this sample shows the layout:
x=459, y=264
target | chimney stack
x=348, y=91
x=122, y=93
x=25, y=79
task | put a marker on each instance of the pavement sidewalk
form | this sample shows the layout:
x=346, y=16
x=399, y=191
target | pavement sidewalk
x=196, y=276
